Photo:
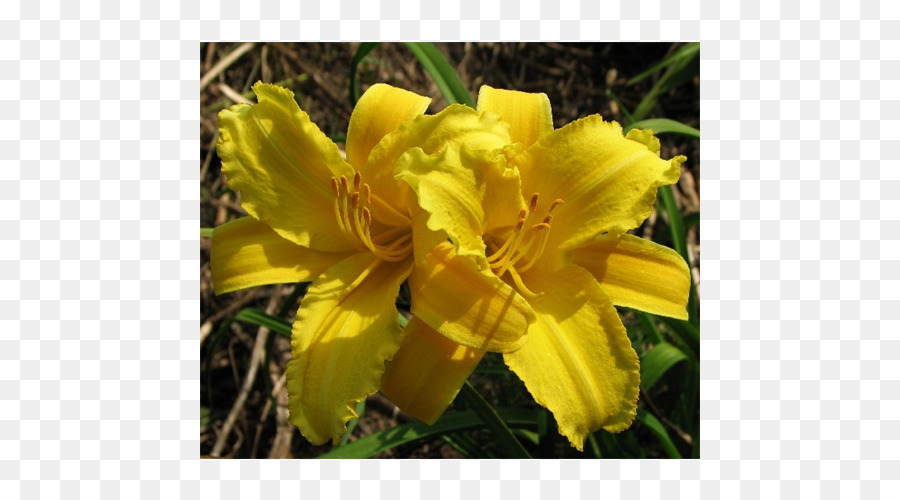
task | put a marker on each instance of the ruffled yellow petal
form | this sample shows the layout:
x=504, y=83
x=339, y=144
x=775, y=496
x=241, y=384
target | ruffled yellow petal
x=639, y=274
x=469, y=306
x=346, y=329
x=466, y=192
x=380, y=110
x=283, y=165
x=578, y=361
x=456, y=124
x=427, y=372
x=608, y=182
x=246, y=253
x=529, y=115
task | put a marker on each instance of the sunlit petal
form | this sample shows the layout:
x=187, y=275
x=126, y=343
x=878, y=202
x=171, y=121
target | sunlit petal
x=608, y=182
x=246, y=253
x=380, y=110
x=528, y=114
x=427, y=372
x=578, y=361
x=282, y=164
x=471, y=307
x=639, y=274
x=345, y=330
x=457, y=124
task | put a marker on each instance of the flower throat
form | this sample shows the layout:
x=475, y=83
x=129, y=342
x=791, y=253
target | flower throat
x=523, y=247
x=354, y=219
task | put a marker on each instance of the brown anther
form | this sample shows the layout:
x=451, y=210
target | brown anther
x=547, y=219
x=368, y=192
x=334, y=187
x=356, y=180
x=534, y=202
x=345, y=185
x=520, y=225
x=555, y=203
x=522, y=214
x=367, y=217
x=355, y=200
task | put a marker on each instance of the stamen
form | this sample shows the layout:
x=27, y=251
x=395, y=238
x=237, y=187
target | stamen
x=523, y=247
x=354, y=221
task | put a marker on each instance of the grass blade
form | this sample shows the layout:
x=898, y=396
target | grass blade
x=361, y=53
x=407, y=433
x=657, y=361
x=679, y=240
x=506, y=440
x=657, y=428
x=259, y=318
x=443, y=74
x=665, y=126
x=685, y=52
x=206, y=232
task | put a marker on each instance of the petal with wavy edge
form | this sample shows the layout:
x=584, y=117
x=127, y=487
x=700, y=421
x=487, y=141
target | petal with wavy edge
x=471, y=307
x=283, y=164
x=529, y=114
x=638, y=273
x=456, y=124
x=578, y=361
x=246, y=252
x=608, y=182
x=345, y=330
x=380, y=110
x=427, y=372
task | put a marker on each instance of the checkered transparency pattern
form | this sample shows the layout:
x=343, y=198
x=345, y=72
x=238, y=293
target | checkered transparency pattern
x=800, y=287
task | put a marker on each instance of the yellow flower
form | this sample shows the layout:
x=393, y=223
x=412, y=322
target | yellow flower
x=357, y=233
x=549, y=214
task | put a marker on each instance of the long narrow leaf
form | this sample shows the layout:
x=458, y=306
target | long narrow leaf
x=679, y=240
x=657, y=428
x=506, y=440
x=685, y=52
x=665, y=126
x=657, y=361
x=687, y=333
x=259, y=318
x=443, y=74
x=406, y=433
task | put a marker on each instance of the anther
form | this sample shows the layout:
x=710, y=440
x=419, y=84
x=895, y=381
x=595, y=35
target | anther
x=355, y=201
x=522, y=214
x=534, y=201
x=334, y=187
x=367, y=217
x=356, y=180
x=368, y=193
x=344, y=185
x=555, y=203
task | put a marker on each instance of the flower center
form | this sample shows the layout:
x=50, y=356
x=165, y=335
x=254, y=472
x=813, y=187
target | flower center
x=354, y=219
x=523, y=247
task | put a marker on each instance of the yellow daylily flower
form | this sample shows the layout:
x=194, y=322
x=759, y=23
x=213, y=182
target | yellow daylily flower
x=356, y=233
x=556, y=206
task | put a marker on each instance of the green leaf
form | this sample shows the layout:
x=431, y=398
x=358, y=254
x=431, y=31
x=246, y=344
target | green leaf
x=684, y=53
x=679, y=240
x=676, y=73
x=649, y=326
x=505, y=439
x=657, y=361
x=259, y=318
x=361, y=52
x=443, y=74
x=656, y=427
x=407, y=433
x=206, y=232
x=687, y=333
x=665, y=126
